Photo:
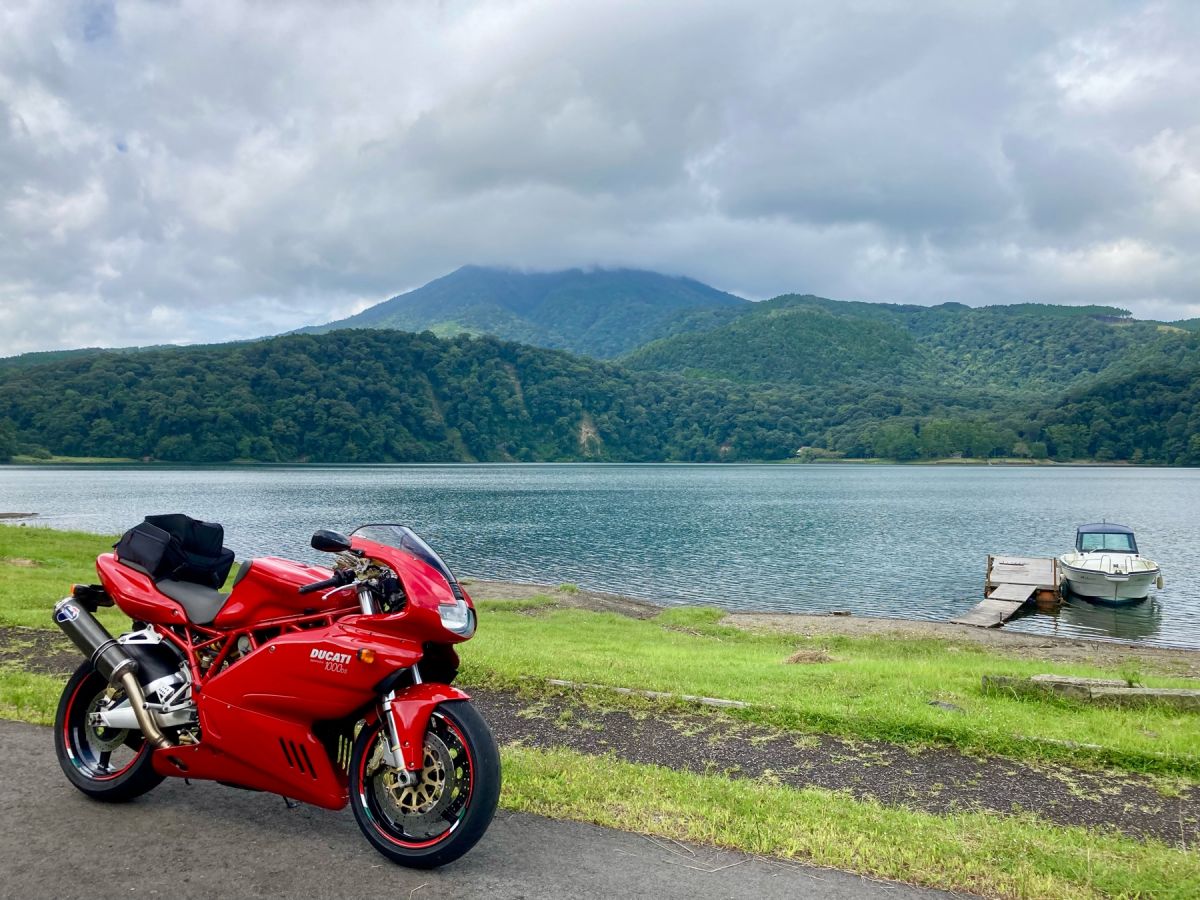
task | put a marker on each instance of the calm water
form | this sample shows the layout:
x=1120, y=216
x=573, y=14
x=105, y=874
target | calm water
x=899, y=541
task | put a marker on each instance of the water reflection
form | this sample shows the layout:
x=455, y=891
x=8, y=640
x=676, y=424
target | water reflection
x=1079, y=618
x=1134, y=622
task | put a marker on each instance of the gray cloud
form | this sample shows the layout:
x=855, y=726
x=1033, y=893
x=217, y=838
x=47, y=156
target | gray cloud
x=199, y=171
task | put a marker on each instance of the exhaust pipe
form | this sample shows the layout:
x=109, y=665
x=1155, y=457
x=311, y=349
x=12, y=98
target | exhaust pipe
x=109, y=658
x=145, y=721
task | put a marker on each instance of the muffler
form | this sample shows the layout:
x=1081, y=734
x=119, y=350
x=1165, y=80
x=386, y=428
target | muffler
x=109, y=658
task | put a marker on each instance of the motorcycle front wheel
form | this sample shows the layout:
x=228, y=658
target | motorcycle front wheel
x=446, y=811
x=105, y=763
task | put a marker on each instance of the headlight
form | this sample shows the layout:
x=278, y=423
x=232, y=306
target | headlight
x=457, y=617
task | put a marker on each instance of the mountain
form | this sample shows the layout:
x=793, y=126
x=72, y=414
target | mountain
x=1023, y=349
x=704, y=376
x=595, y=312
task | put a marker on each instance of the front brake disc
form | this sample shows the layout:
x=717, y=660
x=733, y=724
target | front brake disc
x=418, y=807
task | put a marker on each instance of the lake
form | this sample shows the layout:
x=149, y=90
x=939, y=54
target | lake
x=899, y=541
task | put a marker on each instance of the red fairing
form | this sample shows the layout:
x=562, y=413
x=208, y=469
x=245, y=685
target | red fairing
x=269, y=590
x=259, y=752
x=312, y=674
x=135, y=594
x=424, y=584
x=260, y=712
x=426, y=590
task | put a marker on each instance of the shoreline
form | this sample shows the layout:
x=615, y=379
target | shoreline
x=1051, y=648
x=1102, y=651
x=24, y=461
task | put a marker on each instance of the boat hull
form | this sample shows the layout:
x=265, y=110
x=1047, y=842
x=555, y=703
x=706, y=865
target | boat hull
x=1106, y=587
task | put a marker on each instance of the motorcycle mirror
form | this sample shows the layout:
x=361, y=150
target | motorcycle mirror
x=330, y=541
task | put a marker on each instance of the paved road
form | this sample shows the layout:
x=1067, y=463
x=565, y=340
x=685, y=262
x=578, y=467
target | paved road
x=207, y=841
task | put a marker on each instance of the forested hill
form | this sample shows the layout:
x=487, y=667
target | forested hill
x=37, y=358
x=1024, y=349
x=383, y=396
x=595, y=312
x=389, y=396
x=1151, y=416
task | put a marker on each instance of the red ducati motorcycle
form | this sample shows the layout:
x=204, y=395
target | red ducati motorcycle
x=326, y=685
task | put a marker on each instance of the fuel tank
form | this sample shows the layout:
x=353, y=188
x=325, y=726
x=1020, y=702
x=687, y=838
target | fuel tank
x=270, y=590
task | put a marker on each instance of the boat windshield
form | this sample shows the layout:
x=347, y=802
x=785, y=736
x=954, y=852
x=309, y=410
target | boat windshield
x=1116, y=543
x=404, y=538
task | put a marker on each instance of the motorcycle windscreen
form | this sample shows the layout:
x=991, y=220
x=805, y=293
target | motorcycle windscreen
x=404, y=538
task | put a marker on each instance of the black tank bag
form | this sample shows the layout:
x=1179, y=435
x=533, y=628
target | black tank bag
x=177, y=547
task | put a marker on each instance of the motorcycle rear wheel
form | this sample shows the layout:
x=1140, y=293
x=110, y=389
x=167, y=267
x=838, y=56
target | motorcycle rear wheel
x=446, y=812
x=113, y=767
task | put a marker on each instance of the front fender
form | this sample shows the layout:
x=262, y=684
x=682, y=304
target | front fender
x=410, y=711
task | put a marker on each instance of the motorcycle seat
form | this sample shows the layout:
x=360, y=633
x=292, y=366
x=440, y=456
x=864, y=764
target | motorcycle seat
x=199, y=602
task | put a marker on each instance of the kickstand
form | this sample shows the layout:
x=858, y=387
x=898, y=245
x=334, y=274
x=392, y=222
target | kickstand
x=290, y=803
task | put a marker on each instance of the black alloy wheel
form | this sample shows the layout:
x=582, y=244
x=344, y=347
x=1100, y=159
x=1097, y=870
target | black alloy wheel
x=112, y=765
x=445, y=812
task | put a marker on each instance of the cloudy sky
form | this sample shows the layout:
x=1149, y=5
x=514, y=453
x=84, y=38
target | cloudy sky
x=184, y=171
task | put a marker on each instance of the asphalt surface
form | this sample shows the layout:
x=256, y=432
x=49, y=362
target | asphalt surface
x=206, y=841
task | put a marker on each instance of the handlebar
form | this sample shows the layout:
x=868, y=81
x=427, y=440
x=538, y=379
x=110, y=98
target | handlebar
x=340, y=578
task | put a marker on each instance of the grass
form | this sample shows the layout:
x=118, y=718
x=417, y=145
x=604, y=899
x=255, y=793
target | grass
x=1010, y=856
x=37, y=568
x=29, y=697
x=872, y=687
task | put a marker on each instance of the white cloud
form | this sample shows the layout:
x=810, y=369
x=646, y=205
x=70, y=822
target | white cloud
x=209, y=170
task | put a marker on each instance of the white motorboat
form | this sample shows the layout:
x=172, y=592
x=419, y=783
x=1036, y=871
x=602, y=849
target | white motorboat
x=1107, y=567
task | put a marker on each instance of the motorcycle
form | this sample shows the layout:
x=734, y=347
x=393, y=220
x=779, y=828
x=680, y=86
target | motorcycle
x=330, y=686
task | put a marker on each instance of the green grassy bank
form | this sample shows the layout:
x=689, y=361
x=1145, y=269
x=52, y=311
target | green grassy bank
x=866, y=687
x=21, y=459
x=37, y=568
x=998, y=856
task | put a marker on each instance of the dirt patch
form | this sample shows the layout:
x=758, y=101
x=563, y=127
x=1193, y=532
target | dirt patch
x=534, y=612
x=4, y=515
x=938, y=781
x=808, y=657
x=35, y=650
x=21, y=562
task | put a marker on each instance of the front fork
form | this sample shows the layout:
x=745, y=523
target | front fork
x=399, y=754
x=394, y=754
x=405, y=718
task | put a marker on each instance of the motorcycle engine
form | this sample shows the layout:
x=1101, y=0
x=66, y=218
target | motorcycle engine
x=166, y=682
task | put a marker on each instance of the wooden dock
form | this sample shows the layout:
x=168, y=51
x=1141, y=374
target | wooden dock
x=1012, y=581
